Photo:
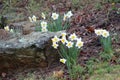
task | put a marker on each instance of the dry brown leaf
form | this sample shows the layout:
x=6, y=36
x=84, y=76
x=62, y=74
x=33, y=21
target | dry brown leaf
x=58, y=74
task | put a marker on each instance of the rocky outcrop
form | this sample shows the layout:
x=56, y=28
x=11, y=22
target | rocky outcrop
x=30, y=50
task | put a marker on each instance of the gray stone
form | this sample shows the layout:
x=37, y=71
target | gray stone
x=32, y=50
x=37, y=39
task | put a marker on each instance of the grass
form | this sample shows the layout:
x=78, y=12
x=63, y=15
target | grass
x=105, y=71
x=102, y=71
x=106, y=77
x=112, y=1
x=13, y=10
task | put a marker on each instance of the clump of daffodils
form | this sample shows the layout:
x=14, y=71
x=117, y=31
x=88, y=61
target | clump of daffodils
x=44, y=26
x=71, y=42
x=68, y=15
x=106, y=42
x=6, y=28
x=59, y=22
x=56, y=22
x=68, y=48
x=102, y=32
x=55, y=41
x=33, y=18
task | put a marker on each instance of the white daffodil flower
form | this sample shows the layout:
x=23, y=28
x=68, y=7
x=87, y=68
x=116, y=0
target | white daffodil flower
x=30, y=19
x=55, y=45
x=105, y=33
x=11, y=30
x=65, y=17
x=79, y=44
x=98, y=32
x=55, y=16
x=6, y=28
x=73, y=37
x=78, y=39
x=69, y=14
x=63, y=40
x=63, y=61
x=43, y=16
x=102, y=32
x=33, y=18
x=63, y=34
x=43, y=24
x=55, y=39
x=69, y=44
x=44, y=29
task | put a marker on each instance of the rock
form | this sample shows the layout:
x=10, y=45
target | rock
x=25, y=27
x=4, y=35
x=32, y=50
x=37, y=39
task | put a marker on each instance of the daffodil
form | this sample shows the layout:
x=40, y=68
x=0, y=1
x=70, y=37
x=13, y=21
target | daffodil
x=78, y=39
x=63, y=61
x=7, y=28
x=30, y=19
x=105, y=34
x=55, y=39
x=98, y=32
x=63, y=40
x=118, y=11
x=64, y=17
x=63, y=34
x=79, y=44
x=69, y=44
x=69, y=14
x=102, y=32
x=55, y=16
x=113, y=4
x=73, y=37
x=55, y=45
x=43, y=16
x=11, y=30
x=33, y=18
x=43, y=24
x=44, y=29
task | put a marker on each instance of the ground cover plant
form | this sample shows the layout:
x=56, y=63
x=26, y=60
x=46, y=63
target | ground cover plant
x=89, y=48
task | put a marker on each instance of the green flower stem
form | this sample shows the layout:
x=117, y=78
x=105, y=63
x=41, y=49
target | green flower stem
x=63, y=51
x=56, y=25
x=107, y=46
x=106, y=43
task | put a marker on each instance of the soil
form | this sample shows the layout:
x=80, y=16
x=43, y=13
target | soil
x=83, y=24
